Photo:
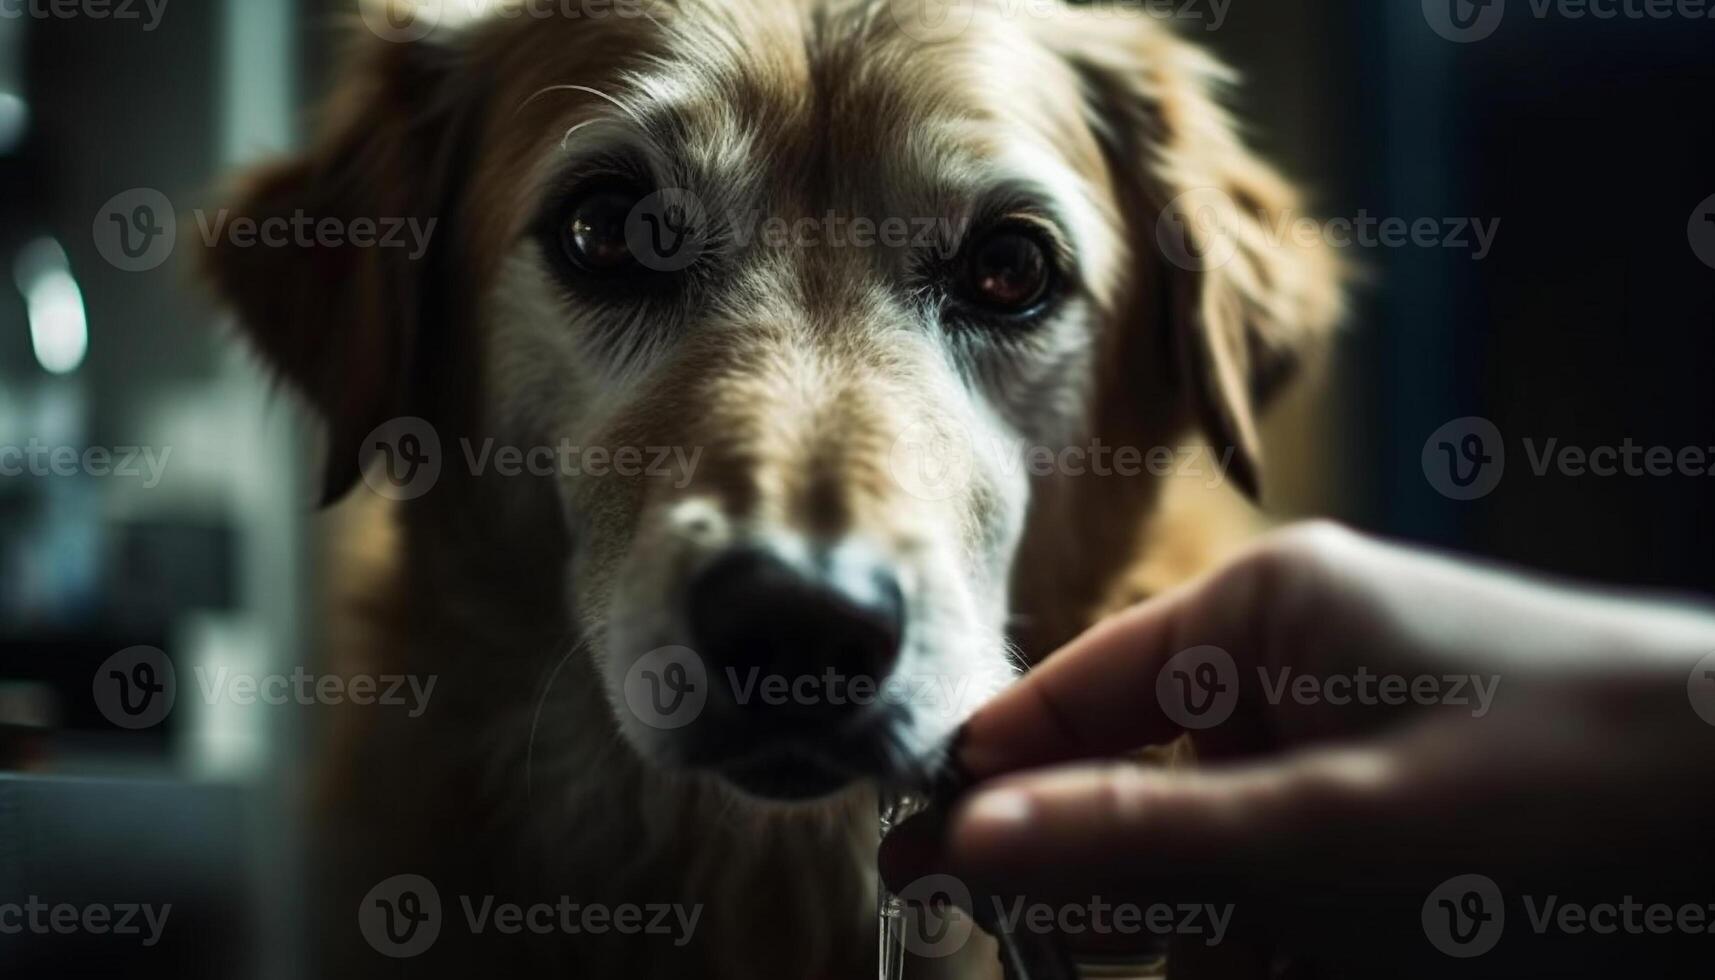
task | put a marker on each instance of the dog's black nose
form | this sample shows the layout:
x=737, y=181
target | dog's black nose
x=793, y=641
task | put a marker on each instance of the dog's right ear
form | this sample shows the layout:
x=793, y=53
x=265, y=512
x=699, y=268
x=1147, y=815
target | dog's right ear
x=341, y=322
x=1243, y=306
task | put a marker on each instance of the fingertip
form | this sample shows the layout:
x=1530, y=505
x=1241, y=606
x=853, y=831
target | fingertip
x=991, y=824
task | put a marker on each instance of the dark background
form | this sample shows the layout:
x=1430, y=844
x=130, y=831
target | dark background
x=1589, y=322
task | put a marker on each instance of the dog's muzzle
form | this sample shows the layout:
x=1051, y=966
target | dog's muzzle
x=798, y=648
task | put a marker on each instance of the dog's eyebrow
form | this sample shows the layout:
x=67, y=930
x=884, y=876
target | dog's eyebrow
x=631, y=112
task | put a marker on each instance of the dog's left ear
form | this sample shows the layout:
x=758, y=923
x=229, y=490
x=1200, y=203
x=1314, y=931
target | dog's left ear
x=1245, y=303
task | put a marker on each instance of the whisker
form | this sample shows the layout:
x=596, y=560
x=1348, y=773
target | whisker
x=536, y=718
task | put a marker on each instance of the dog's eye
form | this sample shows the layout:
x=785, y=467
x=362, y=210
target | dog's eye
x=1008, y=271
x=592, y=233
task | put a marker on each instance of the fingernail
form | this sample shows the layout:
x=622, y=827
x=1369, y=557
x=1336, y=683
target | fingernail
x=1003, y=811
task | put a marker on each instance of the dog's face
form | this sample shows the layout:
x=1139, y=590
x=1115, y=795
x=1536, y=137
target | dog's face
x=821, y=271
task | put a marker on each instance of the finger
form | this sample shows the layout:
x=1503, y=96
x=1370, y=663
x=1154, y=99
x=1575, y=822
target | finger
x=1097, y=696
x=1256, y=831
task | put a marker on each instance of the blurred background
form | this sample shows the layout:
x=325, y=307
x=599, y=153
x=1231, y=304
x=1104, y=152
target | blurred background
x=1586, y=320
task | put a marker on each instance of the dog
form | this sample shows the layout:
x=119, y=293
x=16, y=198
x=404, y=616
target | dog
x=834, y=276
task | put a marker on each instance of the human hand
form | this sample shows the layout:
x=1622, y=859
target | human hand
x=1372, y=723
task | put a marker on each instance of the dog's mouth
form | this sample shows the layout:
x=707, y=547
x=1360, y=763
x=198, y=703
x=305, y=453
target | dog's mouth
x=797, y=765
x=789, y=774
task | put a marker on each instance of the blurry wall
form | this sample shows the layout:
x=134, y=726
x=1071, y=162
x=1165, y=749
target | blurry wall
x=1587, y=325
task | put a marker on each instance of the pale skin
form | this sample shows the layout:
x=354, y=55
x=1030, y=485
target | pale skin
x=1589, y=777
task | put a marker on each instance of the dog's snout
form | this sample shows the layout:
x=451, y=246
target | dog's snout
x=757, y=615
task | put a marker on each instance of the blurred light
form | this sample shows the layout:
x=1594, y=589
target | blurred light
x=59, y=331
x=14, y=121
